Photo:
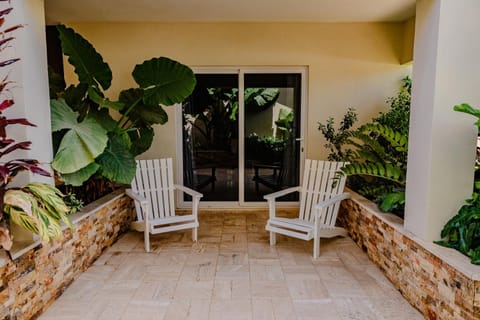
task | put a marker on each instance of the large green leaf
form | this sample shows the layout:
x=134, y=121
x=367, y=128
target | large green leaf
x=259, y=99
x=141, y=114
x=466, y=108
x=387, y=171
x=142, y=139
x=395, y=138
x=165, y=81
x=117, y=163
x=392, y=201
x=61, y=115
x=82, y=143
x=24, y=209
x=88, y=63
x=75, y=97
x=103, y=118
x=52, y=200
x=77, y=178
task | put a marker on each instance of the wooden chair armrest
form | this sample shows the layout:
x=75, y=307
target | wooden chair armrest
x=189, y=191
x=136, y=196
x=331, y=201
x=281, y=193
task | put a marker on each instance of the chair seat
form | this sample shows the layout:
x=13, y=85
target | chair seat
x=291, y=227
x=302, y=229
x=140, y=225
x=302, y=224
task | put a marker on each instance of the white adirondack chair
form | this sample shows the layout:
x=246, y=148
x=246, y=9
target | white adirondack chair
x=153, y=191
x=320, y=197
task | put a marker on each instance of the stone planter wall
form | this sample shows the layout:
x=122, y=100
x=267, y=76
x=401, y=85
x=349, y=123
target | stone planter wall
x=439, y=282
x=40, y=273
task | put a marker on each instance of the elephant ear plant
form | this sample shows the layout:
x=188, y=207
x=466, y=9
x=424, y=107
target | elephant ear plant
x=90, y=142
x=36, y=207
x=462, y=232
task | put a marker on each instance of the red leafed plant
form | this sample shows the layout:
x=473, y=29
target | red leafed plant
x=9, y=169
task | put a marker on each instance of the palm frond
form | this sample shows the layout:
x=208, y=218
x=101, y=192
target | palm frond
x=384, y=171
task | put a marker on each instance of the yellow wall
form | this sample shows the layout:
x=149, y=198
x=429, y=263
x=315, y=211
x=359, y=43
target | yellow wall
x=349, y=65
x=408, y=40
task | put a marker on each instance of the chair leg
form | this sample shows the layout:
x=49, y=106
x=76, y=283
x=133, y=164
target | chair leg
x=316, y=247
x=194, y=234
x=146, y=236
x=273, y=238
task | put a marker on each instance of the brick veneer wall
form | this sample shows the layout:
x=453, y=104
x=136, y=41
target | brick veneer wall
x=434, y=286
x=34, y=280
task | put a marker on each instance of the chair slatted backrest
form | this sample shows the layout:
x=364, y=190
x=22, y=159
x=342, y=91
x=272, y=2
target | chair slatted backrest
x=320, y=183
x=154, y=181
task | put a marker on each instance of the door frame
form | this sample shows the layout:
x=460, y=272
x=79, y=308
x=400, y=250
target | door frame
x=241, y=71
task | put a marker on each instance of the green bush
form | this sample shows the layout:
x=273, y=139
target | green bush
x=337, y=138
x=377, y=151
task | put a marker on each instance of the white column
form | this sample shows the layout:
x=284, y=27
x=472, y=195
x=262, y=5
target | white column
x=30, y=92
x=31, y=84
x=446, y=72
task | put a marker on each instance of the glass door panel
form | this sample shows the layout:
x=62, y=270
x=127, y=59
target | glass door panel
x=272, y=133
x=210, y=137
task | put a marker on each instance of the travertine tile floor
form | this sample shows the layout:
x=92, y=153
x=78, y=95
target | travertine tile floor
x=231, y=273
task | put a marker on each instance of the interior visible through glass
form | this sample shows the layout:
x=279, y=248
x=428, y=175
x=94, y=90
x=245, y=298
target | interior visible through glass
x=272, y=126
x=211, y=136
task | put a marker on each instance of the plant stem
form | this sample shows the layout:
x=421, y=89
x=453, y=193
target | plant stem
x=127, y=112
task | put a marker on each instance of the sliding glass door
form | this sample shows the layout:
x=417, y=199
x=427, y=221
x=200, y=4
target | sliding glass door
x=241, y=135
x=272, y=134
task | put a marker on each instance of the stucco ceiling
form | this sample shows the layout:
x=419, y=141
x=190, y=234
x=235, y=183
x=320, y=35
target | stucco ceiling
x=228, y=10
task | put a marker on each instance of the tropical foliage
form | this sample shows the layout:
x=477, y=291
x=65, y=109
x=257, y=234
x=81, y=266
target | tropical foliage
x=264, y=149
x=284, y=124
x=382, y=165
x=214, y=114
x=377, y=151
x=88, y=140
x=462, y=232
x=337, y=138
x=36, y=207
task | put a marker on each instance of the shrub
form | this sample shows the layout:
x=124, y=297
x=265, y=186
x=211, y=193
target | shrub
x=377, y=151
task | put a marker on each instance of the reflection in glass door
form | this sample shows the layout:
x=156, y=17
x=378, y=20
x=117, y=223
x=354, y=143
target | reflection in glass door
x=242, y=128
x=272, y=134
x=210, y=137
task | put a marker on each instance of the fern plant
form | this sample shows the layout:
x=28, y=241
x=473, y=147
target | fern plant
x=377, y=151
x=371, y=159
